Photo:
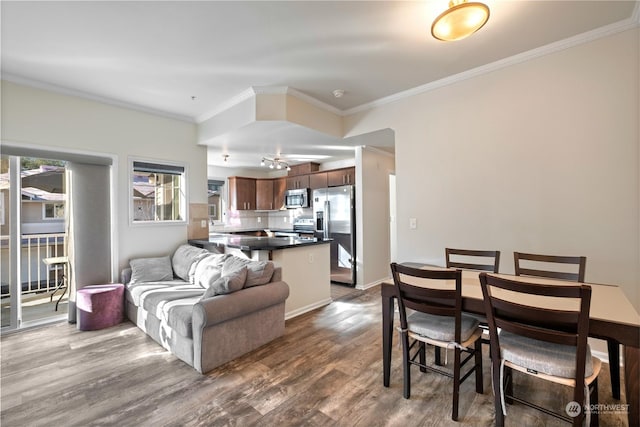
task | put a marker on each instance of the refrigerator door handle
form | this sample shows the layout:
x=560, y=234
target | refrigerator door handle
x=326, y=219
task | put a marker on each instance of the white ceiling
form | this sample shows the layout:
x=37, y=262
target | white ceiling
x=156, y=56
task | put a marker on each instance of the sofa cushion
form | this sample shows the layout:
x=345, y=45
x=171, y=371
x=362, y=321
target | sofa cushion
x=184, y=257
x=258, y=272
x=231, y=282
x=151, y=269
x=136, y=290
x=170, y=302
x=207, y=269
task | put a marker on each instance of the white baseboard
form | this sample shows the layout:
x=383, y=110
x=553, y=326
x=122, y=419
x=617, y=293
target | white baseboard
x=307, y=308
x=372, y=284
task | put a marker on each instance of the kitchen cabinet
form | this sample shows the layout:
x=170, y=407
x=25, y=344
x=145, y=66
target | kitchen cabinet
x=242, y=193
x=296, y=182
x=341, y=177
x=264, y=194
x=304, y=168
x=318, y=180
x=279, y=187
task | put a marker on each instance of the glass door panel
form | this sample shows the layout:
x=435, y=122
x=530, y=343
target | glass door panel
x=5, y=243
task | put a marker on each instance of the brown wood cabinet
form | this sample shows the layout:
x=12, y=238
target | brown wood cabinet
x=242, y=193
x=318, y=180
x=304, y=168
x=341, y=177
x=264, y=194
x=279, y=187
x=296, y=182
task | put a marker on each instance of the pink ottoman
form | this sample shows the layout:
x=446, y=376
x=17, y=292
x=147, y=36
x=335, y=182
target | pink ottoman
x=100, y=306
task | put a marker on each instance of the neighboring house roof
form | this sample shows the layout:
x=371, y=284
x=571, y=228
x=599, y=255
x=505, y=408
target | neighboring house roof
x=38, y=194
x=46, y=177
x=143, y=190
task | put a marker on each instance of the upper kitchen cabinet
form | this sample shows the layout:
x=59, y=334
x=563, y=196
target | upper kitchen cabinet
x=264, y=194
x=318, y=180
x=304, y=168
x=242, y=193
x=279, y=187
x=341, y=177
x=296, y=182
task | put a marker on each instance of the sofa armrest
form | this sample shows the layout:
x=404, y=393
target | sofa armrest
x=220, y=308
x=125, y=276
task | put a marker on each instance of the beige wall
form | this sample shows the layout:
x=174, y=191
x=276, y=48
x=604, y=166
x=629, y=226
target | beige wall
x=541, y=156
x=372, y=212
x=51, y=120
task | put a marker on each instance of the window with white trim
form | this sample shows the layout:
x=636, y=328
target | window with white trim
x=158, y=192
x=53, y=210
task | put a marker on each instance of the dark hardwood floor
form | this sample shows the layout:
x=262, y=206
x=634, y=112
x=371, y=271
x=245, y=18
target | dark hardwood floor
x=325, y=371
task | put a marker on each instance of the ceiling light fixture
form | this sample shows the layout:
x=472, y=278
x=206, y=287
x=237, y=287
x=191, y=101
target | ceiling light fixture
x=275, y=163
x=459, y=21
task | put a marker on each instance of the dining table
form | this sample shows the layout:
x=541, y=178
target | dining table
x=612, y=317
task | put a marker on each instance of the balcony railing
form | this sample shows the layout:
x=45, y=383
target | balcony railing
x=36, y=277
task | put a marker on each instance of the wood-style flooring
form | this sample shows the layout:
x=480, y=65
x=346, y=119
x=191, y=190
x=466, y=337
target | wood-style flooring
x=325, y=371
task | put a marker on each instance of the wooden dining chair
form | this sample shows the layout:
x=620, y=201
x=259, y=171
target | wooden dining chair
x=437, y=320
x=534, y=259
x=531, y=267
x=471, y=259
x=550, y=344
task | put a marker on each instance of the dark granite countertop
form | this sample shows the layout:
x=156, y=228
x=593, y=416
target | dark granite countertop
x=251, y=243
x=234, y=230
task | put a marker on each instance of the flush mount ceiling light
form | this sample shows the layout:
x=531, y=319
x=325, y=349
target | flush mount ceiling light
x=459, y=21
x=275, y=163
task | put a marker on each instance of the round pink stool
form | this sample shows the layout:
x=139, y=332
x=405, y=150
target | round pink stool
x=100, y=306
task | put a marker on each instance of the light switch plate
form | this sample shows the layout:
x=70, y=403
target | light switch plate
x=203, y=223
x=413, y=223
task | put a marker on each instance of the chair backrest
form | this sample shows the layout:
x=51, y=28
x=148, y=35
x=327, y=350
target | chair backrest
x=481, y=264
x=579, y=261
x=432, y=296
x=511, y=312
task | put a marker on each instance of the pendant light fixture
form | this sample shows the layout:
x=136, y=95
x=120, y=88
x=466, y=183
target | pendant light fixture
x=459, y=21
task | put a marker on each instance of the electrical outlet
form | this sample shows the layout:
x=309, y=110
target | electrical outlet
x=259, y=220
x=284, y=218
x=413, y=223
x=203, y=223
x=310, y=258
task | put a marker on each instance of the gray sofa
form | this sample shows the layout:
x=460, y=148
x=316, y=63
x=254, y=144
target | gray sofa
x=206, y=308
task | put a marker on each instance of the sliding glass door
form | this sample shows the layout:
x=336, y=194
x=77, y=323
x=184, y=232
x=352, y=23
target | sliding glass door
x=33, y=241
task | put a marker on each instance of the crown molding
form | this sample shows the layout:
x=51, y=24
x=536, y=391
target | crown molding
x=378, y=151
x=315, y=102
x=598, y=33
x=37, y=84
x=268, y=90
x=231, y=102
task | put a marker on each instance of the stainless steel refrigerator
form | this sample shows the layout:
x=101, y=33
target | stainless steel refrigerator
x=334, y=214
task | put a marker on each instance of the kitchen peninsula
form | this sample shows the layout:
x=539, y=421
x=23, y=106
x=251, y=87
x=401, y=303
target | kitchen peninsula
x=305, y=264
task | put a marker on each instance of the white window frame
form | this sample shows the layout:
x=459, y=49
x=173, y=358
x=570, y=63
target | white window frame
x=184, y=208
x=54, y=218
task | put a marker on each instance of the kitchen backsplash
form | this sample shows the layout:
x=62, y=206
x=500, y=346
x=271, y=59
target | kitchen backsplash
x=277, y=220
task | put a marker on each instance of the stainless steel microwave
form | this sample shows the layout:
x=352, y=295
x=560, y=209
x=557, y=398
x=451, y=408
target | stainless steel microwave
x=296, y=198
